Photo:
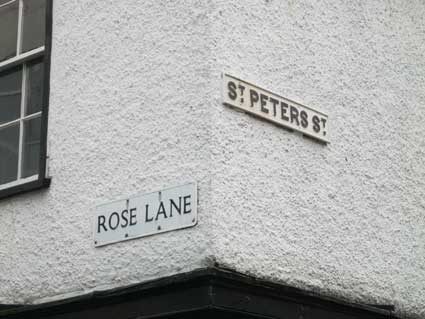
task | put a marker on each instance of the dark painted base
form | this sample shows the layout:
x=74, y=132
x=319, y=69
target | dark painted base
x=205, y=293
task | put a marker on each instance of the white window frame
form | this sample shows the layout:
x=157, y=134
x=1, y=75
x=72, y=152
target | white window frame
x=22, y=59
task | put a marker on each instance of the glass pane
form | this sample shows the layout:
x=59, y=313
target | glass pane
x=34, y=90
x=34, y=24
x=9, y=149
x=8, y=29
x=10, y=94
x=31, y=147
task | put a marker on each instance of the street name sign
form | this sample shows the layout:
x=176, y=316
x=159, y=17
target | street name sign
x=147, y=214
x=274, y=108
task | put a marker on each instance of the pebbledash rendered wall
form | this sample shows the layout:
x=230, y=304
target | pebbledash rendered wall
x=136, y=106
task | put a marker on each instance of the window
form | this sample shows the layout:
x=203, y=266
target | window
x=25, y=29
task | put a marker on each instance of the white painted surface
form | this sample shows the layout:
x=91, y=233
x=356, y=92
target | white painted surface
x=127, y=115
x=353, y=224
x=136, y=106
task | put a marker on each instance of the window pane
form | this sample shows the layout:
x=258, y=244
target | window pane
x=31, y=147
x=9, y=149
x=34, y=24
x=34, y=86
x=10, y=94
x=8, y=30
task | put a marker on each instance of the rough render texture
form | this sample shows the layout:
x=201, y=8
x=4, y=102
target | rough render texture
x=127, y=115
x=136, y=105
x=347, y=219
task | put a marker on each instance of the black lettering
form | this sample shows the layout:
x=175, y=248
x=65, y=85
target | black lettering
x=161, y=211
x=323, y=122
x=178, y=208
x=124, y=218
x=133, y=220
x=263, y=102
x=283, y=109
x=110, y=221
x=147, y=219
x=101, y=222
x=316, y=124
x=241, y=88
x=186, y=204
x=274, y=102
x=253, y=95
x=294, y=115
x=232, y=90
x=304, y=119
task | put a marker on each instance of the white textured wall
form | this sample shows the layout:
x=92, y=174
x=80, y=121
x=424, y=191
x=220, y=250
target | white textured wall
x=347, y=219
x=129, y=83
x=135, y=106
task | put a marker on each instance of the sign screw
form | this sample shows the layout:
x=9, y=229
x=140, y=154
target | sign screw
x=159, y=227
x=193, y=220
x=95, y=242
x=126, y=235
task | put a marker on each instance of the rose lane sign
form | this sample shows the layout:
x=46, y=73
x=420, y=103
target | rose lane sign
x=147, y=214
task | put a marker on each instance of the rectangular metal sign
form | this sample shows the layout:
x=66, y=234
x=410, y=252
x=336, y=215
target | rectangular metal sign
x=146, y=214
x=274, y=108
